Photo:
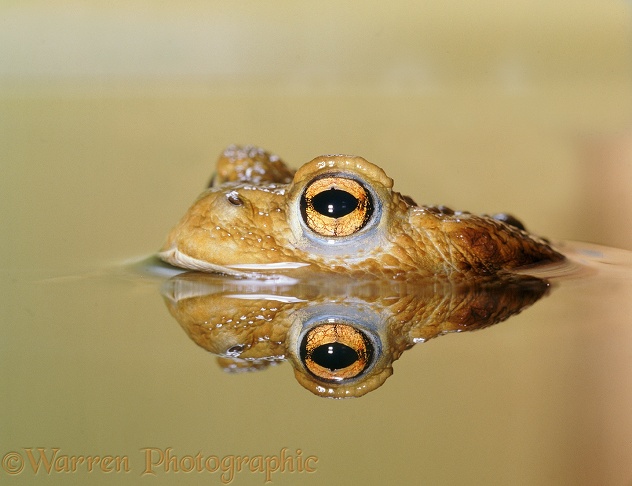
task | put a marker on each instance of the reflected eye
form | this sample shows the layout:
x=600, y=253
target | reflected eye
x=335, y=206
x=336, y=352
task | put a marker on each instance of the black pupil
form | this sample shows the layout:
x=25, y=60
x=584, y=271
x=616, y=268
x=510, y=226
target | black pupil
x=334, y=203
x=334, y=356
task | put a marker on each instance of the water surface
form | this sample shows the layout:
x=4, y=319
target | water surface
x=96, y=365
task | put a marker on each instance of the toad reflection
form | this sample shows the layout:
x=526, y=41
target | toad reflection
x=340, y=336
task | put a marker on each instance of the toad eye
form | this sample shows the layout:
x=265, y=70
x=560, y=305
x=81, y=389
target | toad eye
x=336, y=206
x=336, y=352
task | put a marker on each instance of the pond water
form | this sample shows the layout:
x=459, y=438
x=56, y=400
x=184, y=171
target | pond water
x=116, y=370
x=114, y=361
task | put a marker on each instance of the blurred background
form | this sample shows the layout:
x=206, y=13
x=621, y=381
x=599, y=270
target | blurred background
x=113, y=113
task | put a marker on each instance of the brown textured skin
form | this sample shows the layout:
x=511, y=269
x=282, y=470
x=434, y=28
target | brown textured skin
x=250, y=334
x=408, y=242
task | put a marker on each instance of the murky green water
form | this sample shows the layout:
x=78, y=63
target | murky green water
x=111, y=117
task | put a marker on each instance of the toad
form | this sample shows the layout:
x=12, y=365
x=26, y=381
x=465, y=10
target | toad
x=337, y=214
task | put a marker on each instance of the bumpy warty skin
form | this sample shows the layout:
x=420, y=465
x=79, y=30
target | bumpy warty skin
x=253, y=220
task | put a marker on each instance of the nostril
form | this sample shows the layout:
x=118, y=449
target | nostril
x=234, y=199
